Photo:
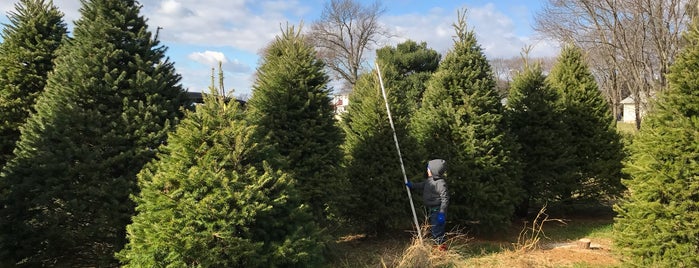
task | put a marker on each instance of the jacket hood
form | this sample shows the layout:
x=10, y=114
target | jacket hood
x=437, y=167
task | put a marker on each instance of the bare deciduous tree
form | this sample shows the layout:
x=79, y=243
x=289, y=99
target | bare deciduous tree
x=344, y=31
x=505, y=69
x=630, y=43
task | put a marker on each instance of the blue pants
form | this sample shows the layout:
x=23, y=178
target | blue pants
x=438, y=230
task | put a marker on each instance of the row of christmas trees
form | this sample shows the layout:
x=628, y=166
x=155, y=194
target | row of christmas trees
x=99, y=157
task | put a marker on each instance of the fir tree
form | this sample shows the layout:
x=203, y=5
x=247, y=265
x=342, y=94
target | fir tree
x=371, y=159
x=106, y=108
x=595, y=144
x=535, y=118
x=409, y=66
x=461, y=120
x=211, y=200
x=35, y=32
x=291, y=105
x=657, y=221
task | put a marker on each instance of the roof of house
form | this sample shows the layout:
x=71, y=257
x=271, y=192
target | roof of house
x=628, y=100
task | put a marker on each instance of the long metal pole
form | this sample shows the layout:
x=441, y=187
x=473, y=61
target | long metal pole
x=402, y=167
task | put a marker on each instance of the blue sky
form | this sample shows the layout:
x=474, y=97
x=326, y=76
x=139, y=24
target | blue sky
x=199, y=33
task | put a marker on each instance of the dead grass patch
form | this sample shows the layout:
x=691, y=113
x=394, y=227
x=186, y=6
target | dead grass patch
x=541, y=243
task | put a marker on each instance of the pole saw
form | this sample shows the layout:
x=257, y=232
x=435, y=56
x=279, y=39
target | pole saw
x=400, y=157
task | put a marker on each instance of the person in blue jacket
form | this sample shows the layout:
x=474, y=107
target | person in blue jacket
x=436, y=198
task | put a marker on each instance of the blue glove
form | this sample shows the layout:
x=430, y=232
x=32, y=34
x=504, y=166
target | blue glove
x=441, y=218
x=409, y=184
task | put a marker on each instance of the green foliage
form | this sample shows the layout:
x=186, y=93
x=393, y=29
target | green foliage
x=291, y=105
x=594, y=141
x=409, y=65
x=106, y=108
x=461, y=120
x=210, y=200
x=657, y=221
x=25, y=62
x=535, y=118
x=371, y=160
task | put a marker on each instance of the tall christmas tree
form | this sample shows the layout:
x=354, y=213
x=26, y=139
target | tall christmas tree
x=291, y=105
x=107, y=107
x=211, y=200
x=535, y=117
x=461, y=120
x=408, y=66
x=656, y=224
x=29, y=46
x=593, y=140
x=371, y=159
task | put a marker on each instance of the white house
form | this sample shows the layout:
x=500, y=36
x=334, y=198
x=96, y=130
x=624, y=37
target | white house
x=629, y=110
x=340, y=102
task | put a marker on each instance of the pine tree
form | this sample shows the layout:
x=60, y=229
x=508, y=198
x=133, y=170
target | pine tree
x=594, y=141
x=291, y=105
x=461, y=120
x=535, y=118
x=35, y=32
x=211, y=200
x=656, y=225
x=106, y=108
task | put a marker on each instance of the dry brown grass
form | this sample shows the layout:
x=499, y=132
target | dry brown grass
x=530, y=236
x=530, y=247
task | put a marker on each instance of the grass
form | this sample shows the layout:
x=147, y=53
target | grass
x=540, y=246
x=626, y=128
x=576, y=229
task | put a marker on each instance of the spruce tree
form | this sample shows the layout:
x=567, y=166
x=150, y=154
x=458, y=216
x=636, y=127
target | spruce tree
x=291, y=104
x=595, y=144
x=29, y=46
x=535, y=118
x=106, y=108
x=461, y=120
x=212, y=200
x=656, y=225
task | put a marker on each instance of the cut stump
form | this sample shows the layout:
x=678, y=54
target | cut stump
x=584, y=243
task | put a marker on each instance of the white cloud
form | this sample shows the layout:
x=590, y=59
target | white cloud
x=245, y=25
x=174, y=8
x=212, y=58
x=208, y=57
x=494, y=31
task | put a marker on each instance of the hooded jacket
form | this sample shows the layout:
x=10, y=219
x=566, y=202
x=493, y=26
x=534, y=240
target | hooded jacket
x=434, y=189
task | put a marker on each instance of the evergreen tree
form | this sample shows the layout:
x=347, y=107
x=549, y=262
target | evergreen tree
x=211, y=200
x=656, y=225
x=409, y=66
x=291, y=104
x=31, y=39
x=371, y=160
x=106, y=108
x=595, y=144
x=535, y=118
x=461, y=120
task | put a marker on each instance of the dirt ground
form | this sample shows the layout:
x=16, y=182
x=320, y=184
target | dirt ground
x=360, y=251
x=555, y=255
